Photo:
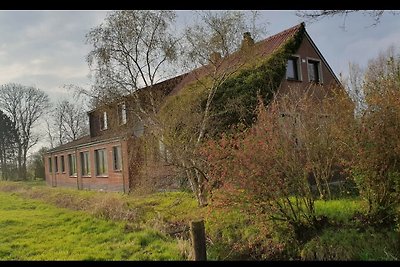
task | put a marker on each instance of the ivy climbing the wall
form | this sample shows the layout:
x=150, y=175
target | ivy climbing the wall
x=236, y=99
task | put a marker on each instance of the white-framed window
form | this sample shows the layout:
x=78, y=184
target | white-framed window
x=117, y=158
x=121, y=113
x=314, y=70
x=50, y=165
x=103, y=121
x=85, y=163
x=56, y=164
x=101, y=162
x=293, y=69
x=62, y=164
x=72, y=164
x=138, y=128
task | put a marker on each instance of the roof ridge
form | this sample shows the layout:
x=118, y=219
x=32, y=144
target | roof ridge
x=291, y=29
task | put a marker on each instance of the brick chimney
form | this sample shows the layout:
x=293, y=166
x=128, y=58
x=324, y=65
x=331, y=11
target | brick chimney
x=215, y=57
x=247, y=40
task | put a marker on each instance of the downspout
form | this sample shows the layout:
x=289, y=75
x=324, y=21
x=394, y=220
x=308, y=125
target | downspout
x=76, y=168
x=53, y=173
x=122, y=169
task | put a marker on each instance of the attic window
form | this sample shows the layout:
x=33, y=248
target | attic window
x=103, y=121
x=293, y=69
x=314, y=71
x=121, y=113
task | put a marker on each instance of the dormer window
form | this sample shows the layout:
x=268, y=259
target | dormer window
x=293, y=69
x=103, y=121
x=314, y=71
x=121, y=113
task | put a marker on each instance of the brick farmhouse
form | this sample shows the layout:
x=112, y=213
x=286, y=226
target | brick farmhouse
x=100, y=160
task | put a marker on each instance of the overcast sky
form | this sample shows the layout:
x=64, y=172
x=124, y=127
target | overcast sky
x=47, y=49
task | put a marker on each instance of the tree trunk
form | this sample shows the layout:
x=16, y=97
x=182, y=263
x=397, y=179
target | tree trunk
x=201, y=194
x=19, y=161
x=197, y=185
x=23, y=167
x=2, y=158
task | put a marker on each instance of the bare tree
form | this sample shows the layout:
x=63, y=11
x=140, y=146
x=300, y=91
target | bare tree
x=36, y=164
x=131, y=50
x=316, y=15
x=8, y=145
x=69, y=122
x=384, y=67
x=210, y=42
x=24, y=105
x=362, y=82
x=354, y=85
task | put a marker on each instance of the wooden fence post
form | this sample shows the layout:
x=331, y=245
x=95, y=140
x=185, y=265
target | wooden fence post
x=198, y=235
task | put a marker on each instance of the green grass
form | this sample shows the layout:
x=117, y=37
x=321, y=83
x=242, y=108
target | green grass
x=99, y=225
x=339, y=210
x=352, y=244
x=32, y=230
x=167, y=206
x=176, y=206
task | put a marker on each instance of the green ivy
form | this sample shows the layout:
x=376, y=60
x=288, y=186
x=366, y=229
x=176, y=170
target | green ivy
x=236, y=99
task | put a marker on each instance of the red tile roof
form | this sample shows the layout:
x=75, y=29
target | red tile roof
x=262, y=48
x=269, y=45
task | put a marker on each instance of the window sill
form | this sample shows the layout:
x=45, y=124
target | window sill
x=73, y=176
x=293, y=80
x=101, y=176
x=117, y=170
x=318, y=83
x=86, y=176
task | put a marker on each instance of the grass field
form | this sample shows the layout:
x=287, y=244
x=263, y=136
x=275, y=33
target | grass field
x=31, y=230
x=89, y=225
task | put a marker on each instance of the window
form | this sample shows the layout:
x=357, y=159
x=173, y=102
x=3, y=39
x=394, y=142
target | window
x=85, y=163
x=161, y=148
x=117, y=160
x=56, y=164
x=314, y=74
x=138, y=128
x=62, y=164
x=121, y=114
x=292, y=70
x=72, y=164
x=50, y=165
x=103, y=121
x=101, y=161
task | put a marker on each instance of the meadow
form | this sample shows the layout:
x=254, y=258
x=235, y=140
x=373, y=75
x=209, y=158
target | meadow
x=33, y=230
x=43, y=223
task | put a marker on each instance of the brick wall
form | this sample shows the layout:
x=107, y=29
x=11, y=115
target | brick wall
x=113, y=180
x=307, y=51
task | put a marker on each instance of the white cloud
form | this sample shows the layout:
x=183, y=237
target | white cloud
x=45, y=48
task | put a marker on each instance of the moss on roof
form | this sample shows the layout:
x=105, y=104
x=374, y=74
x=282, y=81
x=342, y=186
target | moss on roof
x=236, y=99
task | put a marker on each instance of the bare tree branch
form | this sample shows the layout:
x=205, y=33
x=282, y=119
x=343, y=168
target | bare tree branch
x=317, y=15
x=25, y=105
